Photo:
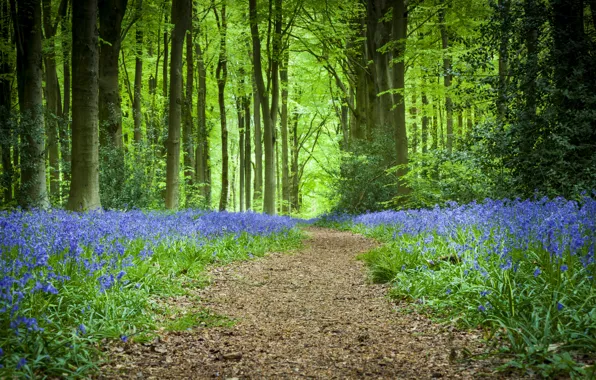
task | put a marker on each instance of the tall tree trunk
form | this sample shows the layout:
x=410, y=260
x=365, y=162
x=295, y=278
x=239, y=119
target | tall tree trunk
x=136, y=106
x=202, y=158
x=241, y=145
x=447, y=78
x=401, y=136
x=424, y=131
x=434, y=130
x=84, y=186
x=6, y=72
x=294, y=171
x=258, y=193
x=504, y=6
x=189, y=158
x=268, y=116
x=247, y=151
x=222, y=77
x=181, y=11
x=378, y=35
x=111, y=13
x=64, y=132
x=28, y=27
x=285, y=170
x=53, y=106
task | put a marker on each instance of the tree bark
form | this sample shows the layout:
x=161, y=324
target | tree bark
x=447, y=78
x=258, y=192
x=136, y=106
x=84, y=186
x=285, y=170
x=504, y=6
x=222, y=77
x=401, y=136
x=424, y=129
x=111, y=13
x=268, y=115
x=414, y=115
x=6, y=71
x=65, y=128
x=202, y=158
x=241, y=145
x=181, y=11
x=247, y=151
x=28, y=26
x=188, y=148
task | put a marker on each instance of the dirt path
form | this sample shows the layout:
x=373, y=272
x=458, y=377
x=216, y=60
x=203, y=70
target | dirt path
x=306, y=315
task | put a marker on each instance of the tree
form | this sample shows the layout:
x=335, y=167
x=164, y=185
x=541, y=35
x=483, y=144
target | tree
x=111, y=13
x=269, y=113
x=222, y=77
x=84, y=186
x=181, y=12
x=6, y=131
x=28, y=28
x=136, y=107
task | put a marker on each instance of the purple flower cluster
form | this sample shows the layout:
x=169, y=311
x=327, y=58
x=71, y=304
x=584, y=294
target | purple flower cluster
x=38, y=249
x=497, y=228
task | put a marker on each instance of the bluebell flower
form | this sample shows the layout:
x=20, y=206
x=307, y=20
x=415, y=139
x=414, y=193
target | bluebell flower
x=82, y=329
x=448, y=291
x=564, y=268
x=481, y=308
x=124, y=338
x=537, y=272
x=21, y=363
x=560, y=306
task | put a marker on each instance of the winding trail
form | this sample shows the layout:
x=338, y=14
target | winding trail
x=310, y=314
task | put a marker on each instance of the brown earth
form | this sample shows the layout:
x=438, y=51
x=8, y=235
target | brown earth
x=309, y=314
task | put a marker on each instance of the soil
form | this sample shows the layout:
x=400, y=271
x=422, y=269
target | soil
x=310, y=314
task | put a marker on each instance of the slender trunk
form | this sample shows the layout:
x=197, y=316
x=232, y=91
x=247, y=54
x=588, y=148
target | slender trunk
x=401, y=135
x=188, y=148
x=84, y=186
x=258, y=193
x=111, y=13
x=504, y=6
x=269, y=142
x=202, y=158
x=285, y=170
x=241, y=158
x=181, y=11
x=295, y=206
x=6, y=71
x=28, y=26
x=424, y=130
x=53, y=106
x=166, y=54
x=136, y=106
x=64, y=131
x=247, y=151
x=434, y=130
x=414, y=115
x=447, y=78
x=222, y=77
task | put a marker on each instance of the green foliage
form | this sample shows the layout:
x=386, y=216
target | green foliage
x=128, y=181
x=363, y=183
x=439, y=177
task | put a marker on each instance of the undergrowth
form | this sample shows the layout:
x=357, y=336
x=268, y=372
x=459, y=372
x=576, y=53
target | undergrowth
x=55, y=317
x=522, y=271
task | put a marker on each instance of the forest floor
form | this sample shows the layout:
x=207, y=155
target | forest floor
x=307, y=314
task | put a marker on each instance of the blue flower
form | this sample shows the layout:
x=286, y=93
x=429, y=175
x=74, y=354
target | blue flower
x=124, y=338
x=21, y=363
x=537, y=272
x=481, y=308
x=448, y=291
x=564, y=268
x=82, y=329
x=560, y=306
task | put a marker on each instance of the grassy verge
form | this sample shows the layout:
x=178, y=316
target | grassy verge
x=68, y=282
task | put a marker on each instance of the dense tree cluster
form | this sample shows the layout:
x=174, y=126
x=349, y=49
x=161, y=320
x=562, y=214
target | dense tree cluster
x=363, y=104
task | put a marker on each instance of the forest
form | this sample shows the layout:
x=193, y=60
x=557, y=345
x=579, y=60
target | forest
x=145, y=141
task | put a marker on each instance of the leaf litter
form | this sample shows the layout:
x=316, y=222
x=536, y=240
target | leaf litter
x=310, y=314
